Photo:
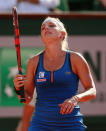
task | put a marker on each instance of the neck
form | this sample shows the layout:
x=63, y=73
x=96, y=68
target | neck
x=53, y=51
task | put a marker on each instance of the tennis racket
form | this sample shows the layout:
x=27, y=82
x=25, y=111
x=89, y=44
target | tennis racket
x=17, y=47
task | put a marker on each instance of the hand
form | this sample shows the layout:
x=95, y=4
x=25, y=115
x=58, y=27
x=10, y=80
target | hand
x=19, y=81
x=68, y=105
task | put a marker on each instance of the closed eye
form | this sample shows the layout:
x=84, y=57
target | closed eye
x=51, y=25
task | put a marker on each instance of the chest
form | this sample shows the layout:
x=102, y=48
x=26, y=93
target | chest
x=61, y=78
x=53, y=65
x=55, y=73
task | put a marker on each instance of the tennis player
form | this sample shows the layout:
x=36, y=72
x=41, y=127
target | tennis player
x=56, y=73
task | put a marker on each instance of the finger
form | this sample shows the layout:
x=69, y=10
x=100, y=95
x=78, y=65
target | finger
x=19, y=84
x=63, y=108
x=61, y=105
x=68, y=109
x=72, y=107
x=20, y=78
x=18, y=75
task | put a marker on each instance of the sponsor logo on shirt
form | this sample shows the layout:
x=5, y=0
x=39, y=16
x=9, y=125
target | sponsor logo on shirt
x=41, y=77
x=41, y=80
x=41, y=74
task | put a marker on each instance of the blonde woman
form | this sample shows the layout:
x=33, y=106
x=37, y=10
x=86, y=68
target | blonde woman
x=55, y=73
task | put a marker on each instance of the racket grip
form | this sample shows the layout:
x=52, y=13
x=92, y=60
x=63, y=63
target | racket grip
x=22, y=100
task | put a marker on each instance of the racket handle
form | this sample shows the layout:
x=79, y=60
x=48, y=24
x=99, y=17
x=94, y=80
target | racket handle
x=22, y=100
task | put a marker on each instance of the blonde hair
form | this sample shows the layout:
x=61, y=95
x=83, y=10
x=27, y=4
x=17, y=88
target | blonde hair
x=62, y=28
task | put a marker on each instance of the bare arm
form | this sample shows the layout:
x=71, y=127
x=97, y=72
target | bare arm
x=26, y=118
x=81, y=68
x=28, y=83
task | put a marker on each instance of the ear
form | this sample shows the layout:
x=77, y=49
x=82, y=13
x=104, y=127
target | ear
x=63, y=34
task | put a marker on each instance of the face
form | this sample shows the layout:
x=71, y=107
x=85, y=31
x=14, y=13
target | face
x=50, y=30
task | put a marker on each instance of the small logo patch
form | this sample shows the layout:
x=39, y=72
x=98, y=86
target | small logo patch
x=41, y=80
x=41, y=74
x=67, y=73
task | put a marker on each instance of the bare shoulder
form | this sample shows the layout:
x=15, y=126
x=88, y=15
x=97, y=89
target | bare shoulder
x=78, y=62
x=34, y=59
x=77, y=57
x=33, y=62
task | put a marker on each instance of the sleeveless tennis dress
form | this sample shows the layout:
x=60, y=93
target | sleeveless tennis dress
x=52, y=89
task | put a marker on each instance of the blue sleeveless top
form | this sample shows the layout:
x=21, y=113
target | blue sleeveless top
x=52, y=89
